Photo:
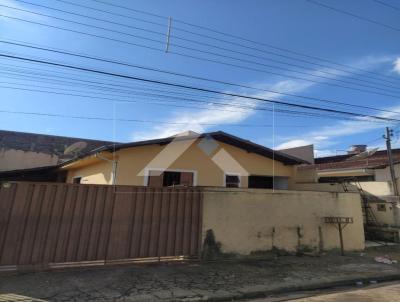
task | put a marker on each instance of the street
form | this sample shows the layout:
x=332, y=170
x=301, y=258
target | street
x=377, y=293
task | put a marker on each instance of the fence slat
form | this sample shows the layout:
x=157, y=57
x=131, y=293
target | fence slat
x=7, y=197
x=155, y=222
x=171, y=235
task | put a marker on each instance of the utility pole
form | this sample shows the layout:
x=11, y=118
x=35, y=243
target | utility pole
x=396, y=207
x=168, y=34
x=388, y=136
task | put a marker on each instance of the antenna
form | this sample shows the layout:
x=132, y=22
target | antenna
x=363, y=155
x=75, y=148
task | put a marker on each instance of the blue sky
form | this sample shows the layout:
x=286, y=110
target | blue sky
x=296, y=25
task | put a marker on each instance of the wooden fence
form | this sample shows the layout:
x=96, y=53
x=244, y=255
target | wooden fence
x=55, y=224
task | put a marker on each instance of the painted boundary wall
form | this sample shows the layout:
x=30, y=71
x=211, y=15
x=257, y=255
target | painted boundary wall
x=379, y=194
x=378, y=188
x=245, y=221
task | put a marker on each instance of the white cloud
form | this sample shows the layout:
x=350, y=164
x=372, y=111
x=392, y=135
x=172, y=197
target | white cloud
x=20, y=12
x=193, y=120
x=396, y=67
x=293, y=144
x=225, y=114
x=323, y=139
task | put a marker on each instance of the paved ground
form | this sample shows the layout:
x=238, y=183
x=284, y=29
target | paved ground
x=194, y=281
x=379, y=293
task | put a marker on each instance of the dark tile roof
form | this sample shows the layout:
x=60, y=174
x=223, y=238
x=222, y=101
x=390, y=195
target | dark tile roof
x=218, y=135
x=43, y=143
x=378, y=159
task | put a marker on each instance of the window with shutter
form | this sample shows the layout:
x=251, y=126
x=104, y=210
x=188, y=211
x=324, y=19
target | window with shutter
x=187, y=179
x=232, y=181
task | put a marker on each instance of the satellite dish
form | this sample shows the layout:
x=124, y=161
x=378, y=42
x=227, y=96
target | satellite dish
x=75, y=148
x=363, y=155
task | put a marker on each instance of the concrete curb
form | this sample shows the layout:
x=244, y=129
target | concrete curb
x=299, y=289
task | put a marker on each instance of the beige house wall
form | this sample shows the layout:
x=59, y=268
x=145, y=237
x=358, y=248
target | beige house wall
x=11, y=159
x=96, y=173
x=246, y=220
x=209, y=170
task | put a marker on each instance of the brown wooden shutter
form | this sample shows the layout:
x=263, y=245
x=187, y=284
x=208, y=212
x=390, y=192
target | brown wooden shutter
x=155, y=179
x=187, y=179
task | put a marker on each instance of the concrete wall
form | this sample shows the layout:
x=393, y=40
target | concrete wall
x=384, y=174
x=377, y=192
x=303, y=175
x=246, y=220
x=11, y=159
x=209, y=169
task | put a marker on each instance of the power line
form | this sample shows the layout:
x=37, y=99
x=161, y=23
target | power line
x=96, y=98
x=141, y=94
x=214, y=54
x=143, y=121
x=227, y=106
x=338, y=10
x=136, y=10
x=47, y=79
x=387, y=4
x=39, y=73
x=159, y=93
x=225, y=34
x=103, y=86
x=113, y=74
x=200, y=43
x=190, y=76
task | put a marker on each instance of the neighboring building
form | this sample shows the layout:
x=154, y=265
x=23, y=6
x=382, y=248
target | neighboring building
x=41, y=174
x=353, y=167
x=189, y=159
x=368, y=173
x=21, y=150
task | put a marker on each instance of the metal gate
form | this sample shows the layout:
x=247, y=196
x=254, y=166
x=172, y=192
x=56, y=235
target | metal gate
x=55, y=224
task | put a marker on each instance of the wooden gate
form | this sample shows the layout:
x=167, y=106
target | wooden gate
x=56, y=224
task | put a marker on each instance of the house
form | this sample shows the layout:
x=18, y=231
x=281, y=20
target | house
x=188, y=159
x=21, y=150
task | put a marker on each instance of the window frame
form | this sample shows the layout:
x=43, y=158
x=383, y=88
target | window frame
x=76, y=177
x=232, y=174
x=381, y=207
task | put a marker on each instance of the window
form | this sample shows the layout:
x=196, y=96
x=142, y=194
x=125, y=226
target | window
x=346, y=178
x=157, y=178
x=77, y=180
x=232, y=181
x=381, y=207
x=261, y=182
x=171, y=179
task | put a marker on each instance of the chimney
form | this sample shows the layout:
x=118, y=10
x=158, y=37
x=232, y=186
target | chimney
x=356, y=149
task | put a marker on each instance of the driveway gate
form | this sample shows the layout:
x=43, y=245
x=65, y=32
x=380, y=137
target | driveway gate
x=55, y=224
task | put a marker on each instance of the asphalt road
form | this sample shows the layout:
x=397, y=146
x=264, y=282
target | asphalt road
x=377, y=293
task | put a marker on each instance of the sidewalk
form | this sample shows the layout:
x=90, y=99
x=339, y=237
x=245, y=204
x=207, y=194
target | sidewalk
x=217, y=281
